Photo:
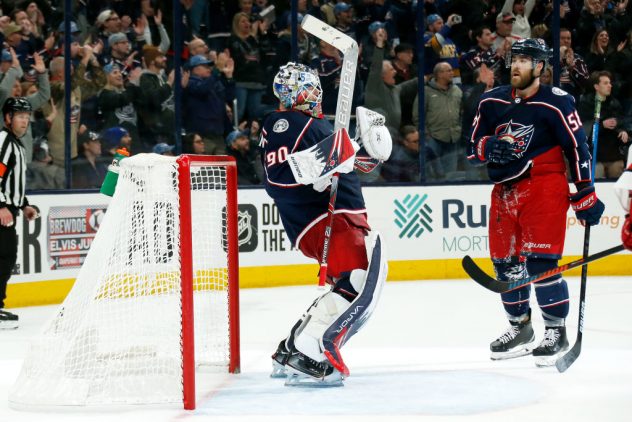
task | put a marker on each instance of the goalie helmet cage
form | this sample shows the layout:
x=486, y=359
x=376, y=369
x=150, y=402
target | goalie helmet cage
x=156, y=298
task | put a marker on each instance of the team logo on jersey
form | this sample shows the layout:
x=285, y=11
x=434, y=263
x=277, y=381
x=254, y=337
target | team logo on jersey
x=412, y=216
x=518, y=134
x=558, y=91
x=280, y=126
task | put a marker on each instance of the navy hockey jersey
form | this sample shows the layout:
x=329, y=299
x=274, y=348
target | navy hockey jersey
x=300, y=206
x=541, y=125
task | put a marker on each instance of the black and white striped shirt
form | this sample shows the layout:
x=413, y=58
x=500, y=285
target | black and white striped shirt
x=12, y=171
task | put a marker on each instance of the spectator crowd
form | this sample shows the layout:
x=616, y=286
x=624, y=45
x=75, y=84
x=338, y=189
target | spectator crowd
x=123, y=79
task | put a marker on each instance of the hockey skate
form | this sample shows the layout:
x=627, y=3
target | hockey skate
x=279, y=359
x=517, y=341
x=304, y=371
x=553, y=345
x=8, y=321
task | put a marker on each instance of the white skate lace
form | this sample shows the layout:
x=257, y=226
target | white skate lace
x=551, y=335
x=509, y=335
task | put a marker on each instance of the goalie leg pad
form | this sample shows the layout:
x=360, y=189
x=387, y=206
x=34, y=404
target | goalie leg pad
x=332, y=320
x=369, y=285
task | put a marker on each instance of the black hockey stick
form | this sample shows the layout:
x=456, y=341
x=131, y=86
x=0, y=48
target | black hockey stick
x=563, y=363
x=498, y=286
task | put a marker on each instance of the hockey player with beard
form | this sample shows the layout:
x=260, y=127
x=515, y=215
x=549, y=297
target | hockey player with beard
x=300, y=153
x=522, y=133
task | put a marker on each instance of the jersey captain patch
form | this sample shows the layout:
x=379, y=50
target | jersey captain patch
x=280, y=126
x=520, y=135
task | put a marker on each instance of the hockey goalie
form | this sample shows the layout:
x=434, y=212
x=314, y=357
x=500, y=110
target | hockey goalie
x=300, y=153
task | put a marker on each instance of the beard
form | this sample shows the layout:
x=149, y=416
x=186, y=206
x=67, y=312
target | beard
x=523, y=81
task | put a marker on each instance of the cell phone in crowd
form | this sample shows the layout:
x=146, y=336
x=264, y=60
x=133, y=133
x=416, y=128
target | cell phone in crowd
x=457, y=19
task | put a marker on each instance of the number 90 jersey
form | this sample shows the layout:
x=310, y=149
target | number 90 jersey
x=541, y=127
x=300, y=206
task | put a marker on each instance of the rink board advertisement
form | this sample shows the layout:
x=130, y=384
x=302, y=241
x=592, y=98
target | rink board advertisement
x=437, y=224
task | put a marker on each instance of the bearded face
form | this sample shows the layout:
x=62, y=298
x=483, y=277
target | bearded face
x=522, y=71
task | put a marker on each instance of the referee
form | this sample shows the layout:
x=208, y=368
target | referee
x=16, y=112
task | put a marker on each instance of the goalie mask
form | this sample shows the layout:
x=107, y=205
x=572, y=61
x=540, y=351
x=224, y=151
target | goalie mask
x=298, y=87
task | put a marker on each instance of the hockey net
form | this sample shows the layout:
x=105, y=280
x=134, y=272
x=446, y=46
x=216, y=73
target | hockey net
x=156, y=298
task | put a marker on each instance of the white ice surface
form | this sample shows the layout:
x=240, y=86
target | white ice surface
x=423, y=356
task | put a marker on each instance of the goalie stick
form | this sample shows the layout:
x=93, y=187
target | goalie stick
x=497, y=286
x=567, y=360
x=349, y=48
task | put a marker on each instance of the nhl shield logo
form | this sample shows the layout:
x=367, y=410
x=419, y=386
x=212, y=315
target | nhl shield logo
x=244, y=228
x=247, y=229
x=518, y=134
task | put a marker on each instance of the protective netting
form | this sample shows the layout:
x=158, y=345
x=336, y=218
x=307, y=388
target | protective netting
x=116, y=339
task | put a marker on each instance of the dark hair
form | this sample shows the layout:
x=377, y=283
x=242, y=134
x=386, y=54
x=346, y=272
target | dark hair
x=596, y=76
x=478, y=32
x=187, y=142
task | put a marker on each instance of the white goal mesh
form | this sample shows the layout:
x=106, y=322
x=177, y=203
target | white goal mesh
x=117, y=338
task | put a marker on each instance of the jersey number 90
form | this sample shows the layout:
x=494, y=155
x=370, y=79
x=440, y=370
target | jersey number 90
x=276, y=157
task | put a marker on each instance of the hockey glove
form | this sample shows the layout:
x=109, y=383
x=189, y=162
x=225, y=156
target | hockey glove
x=626, y=233
x=493, y=149
x=588, y=208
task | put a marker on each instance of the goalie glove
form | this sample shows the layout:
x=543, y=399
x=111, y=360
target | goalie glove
x=588, y=208
x=372, y=134
x=316, y=165
x=497, y=150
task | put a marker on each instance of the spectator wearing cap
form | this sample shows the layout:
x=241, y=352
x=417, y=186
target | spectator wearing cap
x=163, y=148
x=41, y=173
x=521, y=10
x=382, y=93
x=250, y=76
x=107, y=23
x=238, y=146
x=114, y=138
x=14, y=39
x=504, y=37
x=403, y=62
x=116, y=102
x=89, y=168
x=205, y=98
x=345, y=22
x=120, y=52
x=368, y=44
x=36, y=99
x=75, y=44
x=155, y=104
x=439, y=47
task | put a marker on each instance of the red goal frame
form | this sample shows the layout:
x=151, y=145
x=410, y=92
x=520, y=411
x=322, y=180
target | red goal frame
x=186, y=244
